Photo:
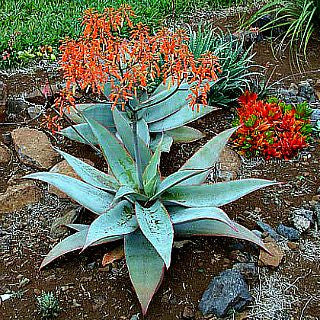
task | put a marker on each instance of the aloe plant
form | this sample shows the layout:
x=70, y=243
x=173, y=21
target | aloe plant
x=164, y=114
x=134, y=203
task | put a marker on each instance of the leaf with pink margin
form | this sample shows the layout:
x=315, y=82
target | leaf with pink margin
x=146, y=267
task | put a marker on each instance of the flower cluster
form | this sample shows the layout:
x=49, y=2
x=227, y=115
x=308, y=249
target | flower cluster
x=114, y=49
x=272, y=128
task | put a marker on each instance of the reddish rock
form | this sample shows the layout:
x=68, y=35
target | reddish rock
x=34, y=148
x=5, y=156
x=271, y=260
x=64, y=168
x=18, y=196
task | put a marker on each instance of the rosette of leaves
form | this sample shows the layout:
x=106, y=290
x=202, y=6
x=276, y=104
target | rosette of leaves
x=164, y=113
x=135, y=204
x=238, y=70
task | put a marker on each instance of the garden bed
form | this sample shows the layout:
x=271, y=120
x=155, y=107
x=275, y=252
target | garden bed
x=86, y=290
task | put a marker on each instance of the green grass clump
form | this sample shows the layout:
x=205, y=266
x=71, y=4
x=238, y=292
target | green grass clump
x=25, y=25
x=298, y=19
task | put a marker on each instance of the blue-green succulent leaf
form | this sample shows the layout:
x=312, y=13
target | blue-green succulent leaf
x=216, y=228
x=120, y=162
x=175, y=179
x=126, y=134
x=151, y=175
x=143, y=131
x=166, y=142
x=81, y=133
x=117, y=221
x=146, y=268
x=92, y=198
x=72, y=243
x=180, y=118
x=185, y=134
x=100, y=112
x=90, y=174
x=169, y=106
x=207, y=156
x=157, y=227
x=213, y=195
x=125, y=191
x=181, y=214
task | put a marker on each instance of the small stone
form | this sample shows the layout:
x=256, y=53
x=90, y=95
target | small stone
x=293, y=245
x=75, y=303
x=188, y=313
x=18, y=196
x=35, y=111
x=37, y=291
x=267, y=228
x=302, y=219
x=58, y=228
x=228, y=291
x=270, y=260
x=291, y=234
x=135, y=317
x=63, y=167
x=34, y=148
x=7, y=139
x=249, y=270
x=5, y=155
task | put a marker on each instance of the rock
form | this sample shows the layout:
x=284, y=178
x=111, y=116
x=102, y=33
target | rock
x=229, y=165
x=18, y=196
x=64, y=168
x=293, y=245
x=34, y=148
x=58, y=228
x=35, y=111
x=5, y=155
x=267, y=228
x=302, y=219
x=291, y=234
x=3, y=101
x=135, y=317
x=293, y=89
x=7, y=139
x=271, y=260
x=315, y=116
x=249, y=270
x=188, y=313
x=226, y=292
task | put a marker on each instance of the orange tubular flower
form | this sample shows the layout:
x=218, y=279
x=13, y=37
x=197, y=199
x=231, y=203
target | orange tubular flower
x=102, y=54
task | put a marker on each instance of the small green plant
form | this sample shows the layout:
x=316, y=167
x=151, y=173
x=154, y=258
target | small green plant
x=298, y=18
x=238, y=70
x=48, y=305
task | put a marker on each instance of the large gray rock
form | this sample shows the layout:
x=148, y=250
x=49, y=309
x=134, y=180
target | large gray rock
x=226, y=292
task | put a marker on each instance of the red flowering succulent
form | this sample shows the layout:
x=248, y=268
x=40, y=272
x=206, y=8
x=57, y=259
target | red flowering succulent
x=271, y=128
